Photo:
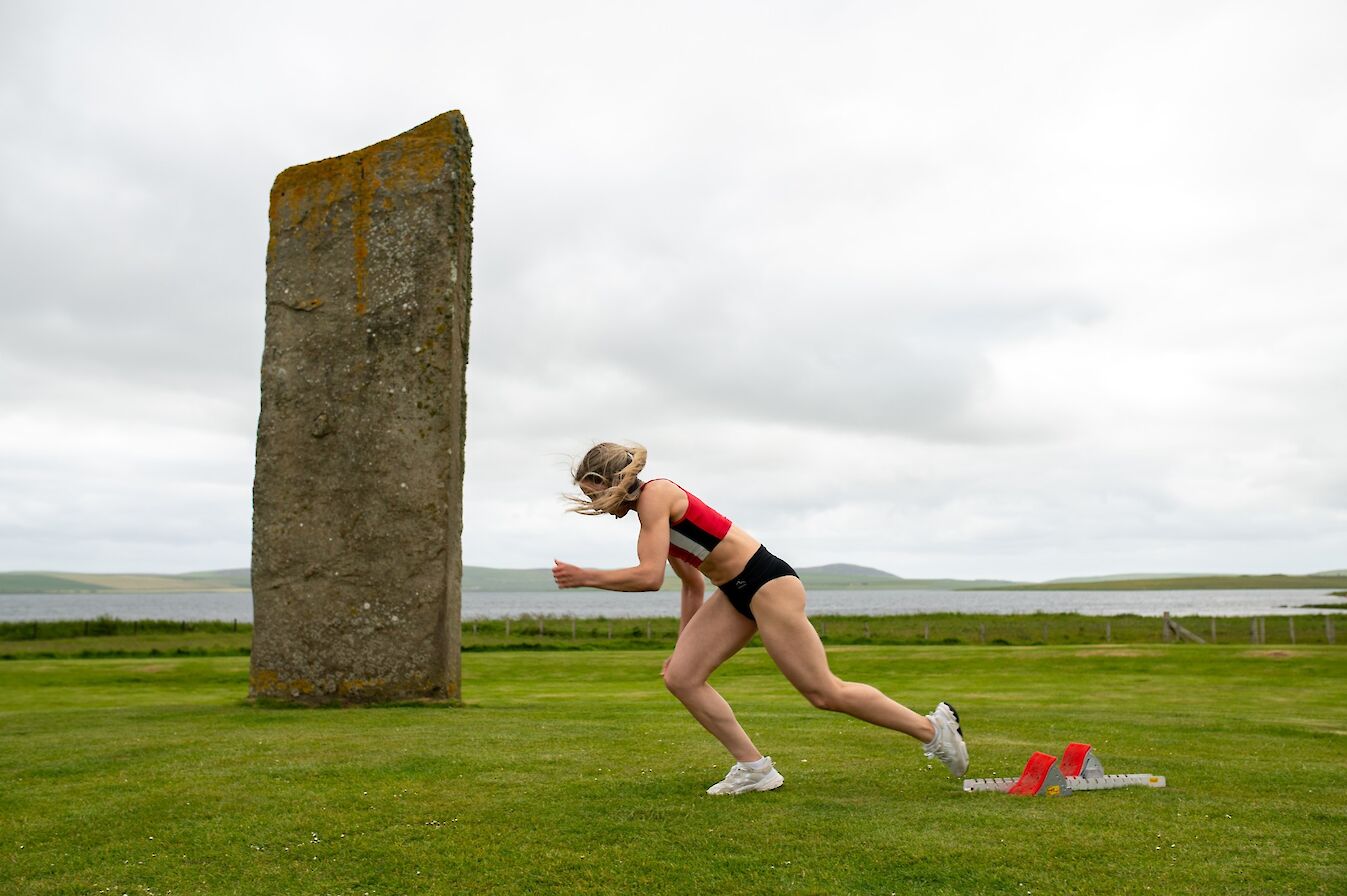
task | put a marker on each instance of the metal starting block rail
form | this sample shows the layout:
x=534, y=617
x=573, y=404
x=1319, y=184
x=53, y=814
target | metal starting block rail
x=1045, y=775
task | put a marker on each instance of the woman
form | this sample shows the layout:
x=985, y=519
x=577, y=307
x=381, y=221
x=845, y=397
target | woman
x=756, y=593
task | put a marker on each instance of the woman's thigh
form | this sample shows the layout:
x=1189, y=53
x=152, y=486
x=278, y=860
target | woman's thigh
x=789, y=636
x=717, y=632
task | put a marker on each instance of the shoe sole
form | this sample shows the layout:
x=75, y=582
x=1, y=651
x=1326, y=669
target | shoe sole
x=954, y=712
x=959, y=728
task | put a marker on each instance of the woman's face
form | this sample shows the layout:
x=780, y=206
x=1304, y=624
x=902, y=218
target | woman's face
x=592, y=490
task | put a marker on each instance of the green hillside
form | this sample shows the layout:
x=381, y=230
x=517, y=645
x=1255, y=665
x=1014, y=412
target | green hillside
x=829, y=577
x=79, y=582
x=1129, y=577
x=1197, y=583
x=42, y=583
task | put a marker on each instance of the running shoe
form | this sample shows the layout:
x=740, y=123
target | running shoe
x=947, y=745
x=744, y=779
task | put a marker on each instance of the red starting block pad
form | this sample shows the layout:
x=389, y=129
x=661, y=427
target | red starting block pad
x=1045, y=775
x=1079, y=761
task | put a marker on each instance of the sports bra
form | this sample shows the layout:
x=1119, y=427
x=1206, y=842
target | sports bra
x=698, y=532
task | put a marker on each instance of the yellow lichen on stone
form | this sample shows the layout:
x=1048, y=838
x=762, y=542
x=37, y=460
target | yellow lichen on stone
x=267, y=683
x=367, y=183
x=358, y=686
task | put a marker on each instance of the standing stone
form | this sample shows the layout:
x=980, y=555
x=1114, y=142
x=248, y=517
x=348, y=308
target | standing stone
x=358, y=494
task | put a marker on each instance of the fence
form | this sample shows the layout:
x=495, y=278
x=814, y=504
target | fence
x=942, y=628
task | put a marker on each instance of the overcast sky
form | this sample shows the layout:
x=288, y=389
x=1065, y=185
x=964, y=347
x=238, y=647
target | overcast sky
x=1020, y=290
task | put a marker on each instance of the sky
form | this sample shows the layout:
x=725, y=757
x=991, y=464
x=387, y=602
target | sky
x=1022, y=291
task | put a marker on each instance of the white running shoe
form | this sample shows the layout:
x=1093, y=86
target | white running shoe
x=947, y=745
x=743, y=779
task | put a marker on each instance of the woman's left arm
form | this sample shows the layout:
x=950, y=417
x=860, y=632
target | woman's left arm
x=652, y=548
x=693, y=593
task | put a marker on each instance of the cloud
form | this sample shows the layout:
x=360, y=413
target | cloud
x=1030, y=291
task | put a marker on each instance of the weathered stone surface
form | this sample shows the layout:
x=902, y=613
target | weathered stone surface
x=358, y=493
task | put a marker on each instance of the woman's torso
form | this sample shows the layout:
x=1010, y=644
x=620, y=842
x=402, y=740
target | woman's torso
x=695, y=533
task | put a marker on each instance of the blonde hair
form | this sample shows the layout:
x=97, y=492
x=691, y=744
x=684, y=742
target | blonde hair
x=613, y=468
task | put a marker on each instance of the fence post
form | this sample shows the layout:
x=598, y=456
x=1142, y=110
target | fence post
x=926, y=632
x=572, y=628
x=1329, y=634
x=1262, y=629
x=867, y=631
x=1174, y=630
x=1108, y=632
x=982, y=633
x=1165, y=632
x=1045, y=633
x=1213, y=629
x=823, y=629
x=507, y=626
x=1253, y=631
x=610, y=629
x=1291, y=628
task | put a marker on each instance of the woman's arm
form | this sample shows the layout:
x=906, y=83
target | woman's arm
x=652, y=547
x=694, y=591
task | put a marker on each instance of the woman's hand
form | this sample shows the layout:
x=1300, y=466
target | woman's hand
x=568, y=576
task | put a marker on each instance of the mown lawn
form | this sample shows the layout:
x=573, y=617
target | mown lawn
x=575, y=772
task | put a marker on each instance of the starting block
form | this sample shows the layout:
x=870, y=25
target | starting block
x=1045, y=775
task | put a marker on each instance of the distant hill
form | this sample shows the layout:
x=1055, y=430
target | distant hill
x=851, y=570
x=830, y=577
x=1128, y=577
x=238, y=578
x=43, y=583
x=1199, y=583
x=842, y=576
x=95, y=583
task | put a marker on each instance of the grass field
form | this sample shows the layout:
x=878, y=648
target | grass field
x=575, y=772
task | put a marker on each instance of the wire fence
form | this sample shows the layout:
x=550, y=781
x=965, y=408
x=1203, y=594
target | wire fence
x=561, y=632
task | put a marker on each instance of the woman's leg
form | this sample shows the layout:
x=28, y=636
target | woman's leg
x=795, y=647
x=716, y=633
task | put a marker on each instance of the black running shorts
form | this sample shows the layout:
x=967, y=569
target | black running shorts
x=762, y=567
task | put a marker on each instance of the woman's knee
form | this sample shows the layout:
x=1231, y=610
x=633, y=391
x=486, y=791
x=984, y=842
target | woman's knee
x=826, y=696
x=680, y=682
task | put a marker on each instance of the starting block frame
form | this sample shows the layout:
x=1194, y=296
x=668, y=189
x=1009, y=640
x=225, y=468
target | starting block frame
x=1046, y=775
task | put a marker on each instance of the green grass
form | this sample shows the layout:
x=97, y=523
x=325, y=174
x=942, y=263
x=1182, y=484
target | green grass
x=575, y=772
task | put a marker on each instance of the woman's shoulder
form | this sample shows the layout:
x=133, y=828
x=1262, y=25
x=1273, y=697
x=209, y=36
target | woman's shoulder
x=664, y=494
x=661, y=488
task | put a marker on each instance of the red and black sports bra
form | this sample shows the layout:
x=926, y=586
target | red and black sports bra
x=698, y=532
